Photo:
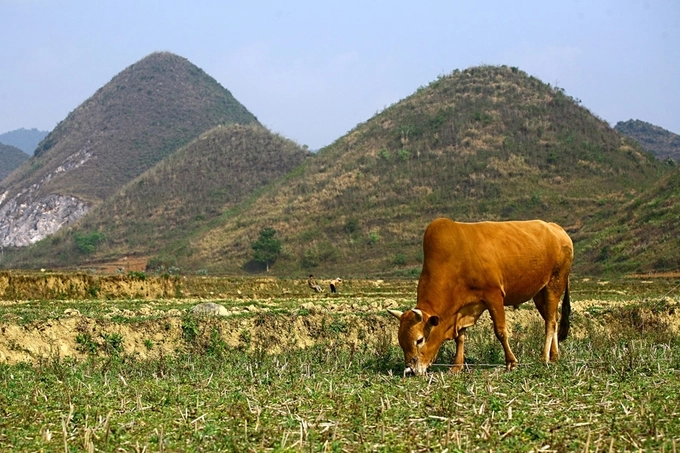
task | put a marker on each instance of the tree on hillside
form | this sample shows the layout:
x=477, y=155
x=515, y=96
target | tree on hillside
x=266, y=248
x=87, y=242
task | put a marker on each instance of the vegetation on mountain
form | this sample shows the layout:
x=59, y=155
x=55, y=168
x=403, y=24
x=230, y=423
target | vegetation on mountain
x=165, y=206
x=11, y=158
x=487, y=143
x=662, y=143
x=641, y=236
x=141, y=116
x=87, y=243
x=26, y=140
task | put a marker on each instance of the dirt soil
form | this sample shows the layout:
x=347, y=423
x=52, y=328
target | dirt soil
x=153, y=328
x=121, y=266
x=159, y=328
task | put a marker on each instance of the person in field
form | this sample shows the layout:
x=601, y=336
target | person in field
x=312, y=284
x=334, y=285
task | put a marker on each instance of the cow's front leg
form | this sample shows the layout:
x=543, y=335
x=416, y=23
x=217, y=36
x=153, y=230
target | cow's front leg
x=497, y=312
x=459, y=359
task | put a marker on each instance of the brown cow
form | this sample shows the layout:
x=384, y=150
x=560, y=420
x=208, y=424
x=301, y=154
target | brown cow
x=472, y=267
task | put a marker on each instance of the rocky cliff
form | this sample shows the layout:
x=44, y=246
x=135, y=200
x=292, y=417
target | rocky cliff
x=27, y=217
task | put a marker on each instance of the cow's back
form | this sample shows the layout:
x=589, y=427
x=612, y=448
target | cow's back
x=519, y=257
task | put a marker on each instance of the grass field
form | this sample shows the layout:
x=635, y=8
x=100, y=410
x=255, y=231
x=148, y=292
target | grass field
x=288, y=370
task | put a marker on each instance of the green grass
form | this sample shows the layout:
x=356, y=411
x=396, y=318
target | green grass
x=615, y=388
x=327, y=399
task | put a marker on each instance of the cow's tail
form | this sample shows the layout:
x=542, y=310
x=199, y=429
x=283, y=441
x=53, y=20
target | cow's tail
x=564, y=319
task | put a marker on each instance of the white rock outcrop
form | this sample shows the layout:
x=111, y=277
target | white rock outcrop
x=28, y=216
x=22, y=224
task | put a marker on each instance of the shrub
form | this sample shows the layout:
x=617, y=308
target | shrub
x=135, y=275
x=404, y=154
x=399, y=259
x=113, y=343
x=351, y=226
x=86, y=343
x=189, y=329
x=87, y=242
x=322, y=252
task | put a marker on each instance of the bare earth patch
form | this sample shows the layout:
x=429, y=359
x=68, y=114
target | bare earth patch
x=148, y=329
x=155, y=329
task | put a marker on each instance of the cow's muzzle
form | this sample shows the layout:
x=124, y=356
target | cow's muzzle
x=415, y=370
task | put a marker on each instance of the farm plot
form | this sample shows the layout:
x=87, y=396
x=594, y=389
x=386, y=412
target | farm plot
x=287, y=369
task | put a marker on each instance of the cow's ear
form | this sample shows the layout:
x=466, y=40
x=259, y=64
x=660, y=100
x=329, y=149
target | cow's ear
x=396, y=313
x=433, y=320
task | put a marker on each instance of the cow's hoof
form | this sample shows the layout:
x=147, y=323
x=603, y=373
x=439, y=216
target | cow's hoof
x=456, y=368
x=510, y=366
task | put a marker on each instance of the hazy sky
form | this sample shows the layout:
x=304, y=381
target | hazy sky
x=312, y=70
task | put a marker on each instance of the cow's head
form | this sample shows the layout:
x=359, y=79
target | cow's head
x=418, y=338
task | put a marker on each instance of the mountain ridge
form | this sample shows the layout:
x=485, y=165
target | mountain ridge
x=26, y=140
x=181, y=194
x=486, y=143
x=141, y=116
x=663, y=143
x=11, y=158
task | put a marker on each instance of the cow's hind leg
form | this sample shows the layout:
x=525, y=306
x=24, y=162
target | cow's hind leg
x=497, y=312
x=546, y=302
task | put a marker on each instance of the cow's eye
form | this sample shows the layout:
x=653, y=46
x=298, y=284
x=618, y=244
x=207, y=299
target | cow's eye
x=420, y=341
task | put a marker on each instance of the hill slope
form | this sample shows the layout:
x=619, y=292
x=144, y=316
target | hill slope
x=487, y=143
x=657, y=140
x=164, y=206
x=642, y=236
x=11, y=158
x=140, y=117
x=26, y=140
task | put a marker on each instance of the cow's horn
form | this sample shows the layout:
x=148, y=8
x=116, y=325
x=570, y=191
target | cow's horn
x=418, y=313
x=396, y=313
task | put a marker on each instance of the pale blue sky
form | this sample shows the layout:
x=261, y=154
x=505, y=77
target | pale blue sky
x=312, y=70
